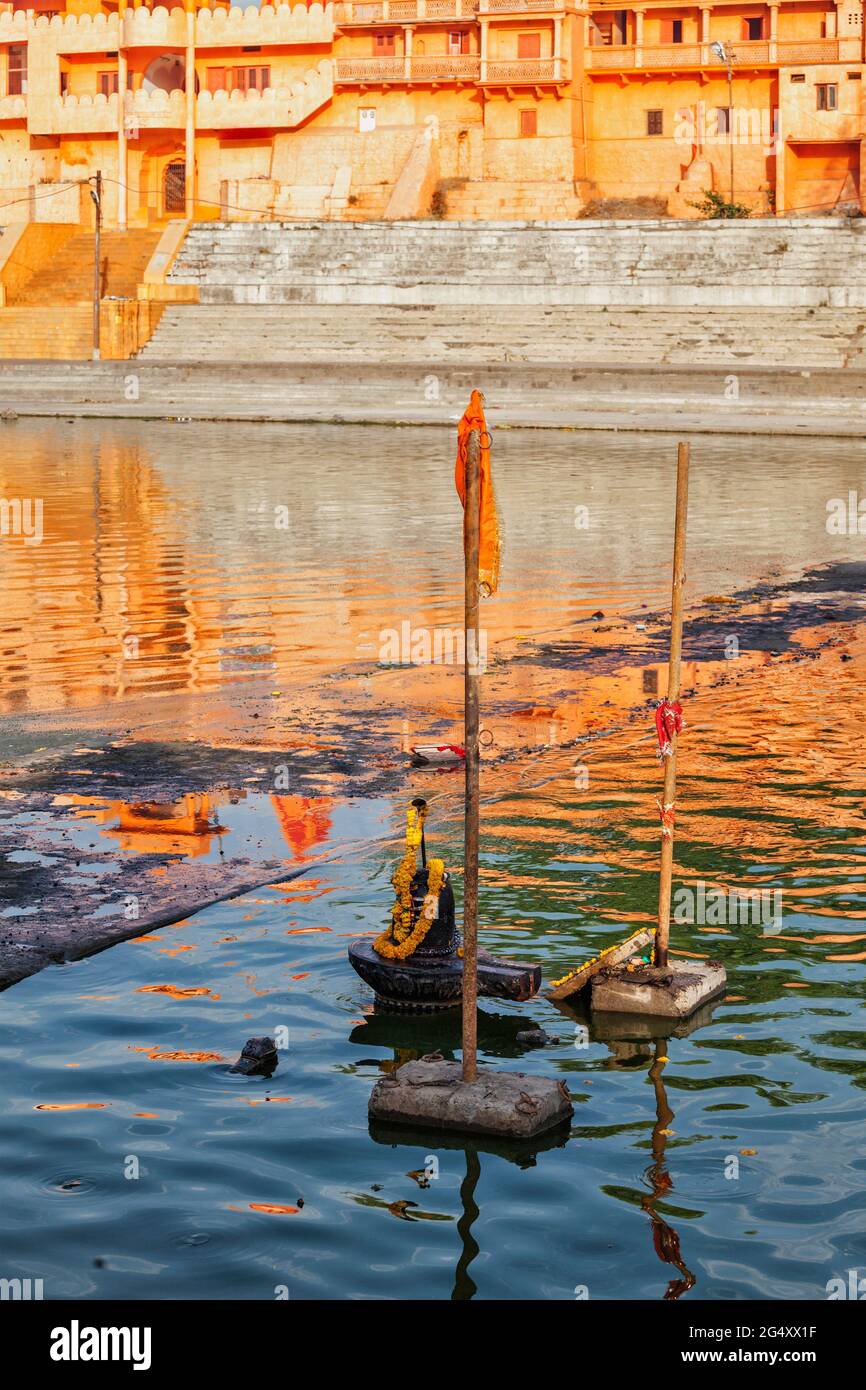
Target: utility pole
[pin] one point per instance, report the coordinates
(725, 54)
(730, 58)
(96, 195)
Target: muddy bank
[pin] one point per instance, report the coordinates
(65, 892)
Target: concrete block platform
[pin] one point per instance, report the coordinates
(433, 1094)
(674, 991)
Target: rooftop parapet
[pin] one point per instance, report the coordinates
(13, 26)
(281, 24)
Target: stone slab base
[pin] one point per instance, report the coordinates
(507, 1103)
(674, 992)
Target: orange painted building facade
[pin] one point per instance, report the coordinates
(466, 108)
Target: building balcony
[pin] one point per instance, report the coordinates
(807, 51)
(13, 108)
(497, 7)
(367, 12)
(671, 57)
(275, 107)
(427, 69)
(85, 114)
(523, 72)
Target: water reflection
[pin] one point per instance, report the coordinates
(174, 546)
(164, 568)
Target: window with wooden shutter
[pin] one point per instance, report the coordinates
(249, 79)
(529, 122)
(529, 45)
(17, 70)
(385, 45)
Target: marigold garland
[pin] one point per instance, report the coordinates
(401, 939)
(606, 952)
(393, 943)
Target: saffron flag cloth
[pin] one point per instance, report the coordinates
(489, 542)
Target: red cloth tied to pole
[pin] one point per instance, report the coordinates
(489, 542)
(669, 721)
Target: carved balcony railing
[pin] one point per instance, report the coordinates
(370, 69)
(672, 55)
(808, 50)
(519, 6)
(350, 12)
(518, 71)
(761, 52)
(462, 67)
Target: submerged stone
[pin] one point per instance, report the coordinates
(258, 1058)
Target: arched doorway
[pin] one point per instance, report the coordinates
(174, 186)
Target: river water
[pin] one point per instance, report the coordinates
(235, 587)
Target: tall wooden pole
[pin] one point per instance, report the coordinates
(673, 693)
(471, 537)
(96, 195)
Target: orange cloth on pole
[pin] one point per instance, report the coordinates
(489, 542)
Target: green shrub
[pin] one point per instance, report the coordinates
(717, 205)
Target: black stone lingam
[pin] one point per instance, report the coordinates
(432, 977)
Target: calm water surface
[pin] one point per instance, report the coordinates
(118, 1065)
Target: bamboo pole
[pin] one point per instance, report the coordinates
(673, 693)
(471, 539)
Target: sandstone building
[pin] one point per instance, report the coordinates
(365, 109)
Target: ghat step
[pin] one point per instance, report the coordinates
(761, 263)
(559, 335)
(68, 278)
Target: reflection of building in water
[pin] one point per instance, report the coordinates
(304, 820)
(187, 825)
(103, 607)
(184, 827)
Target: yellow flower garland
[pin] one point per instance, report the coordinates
(392, 943)
(606, 952)
(401, 939)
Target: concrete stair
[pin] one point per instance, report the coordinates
(39, 332)
(670, 399)
(436, 336)
(774, 263)
(69, 277)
